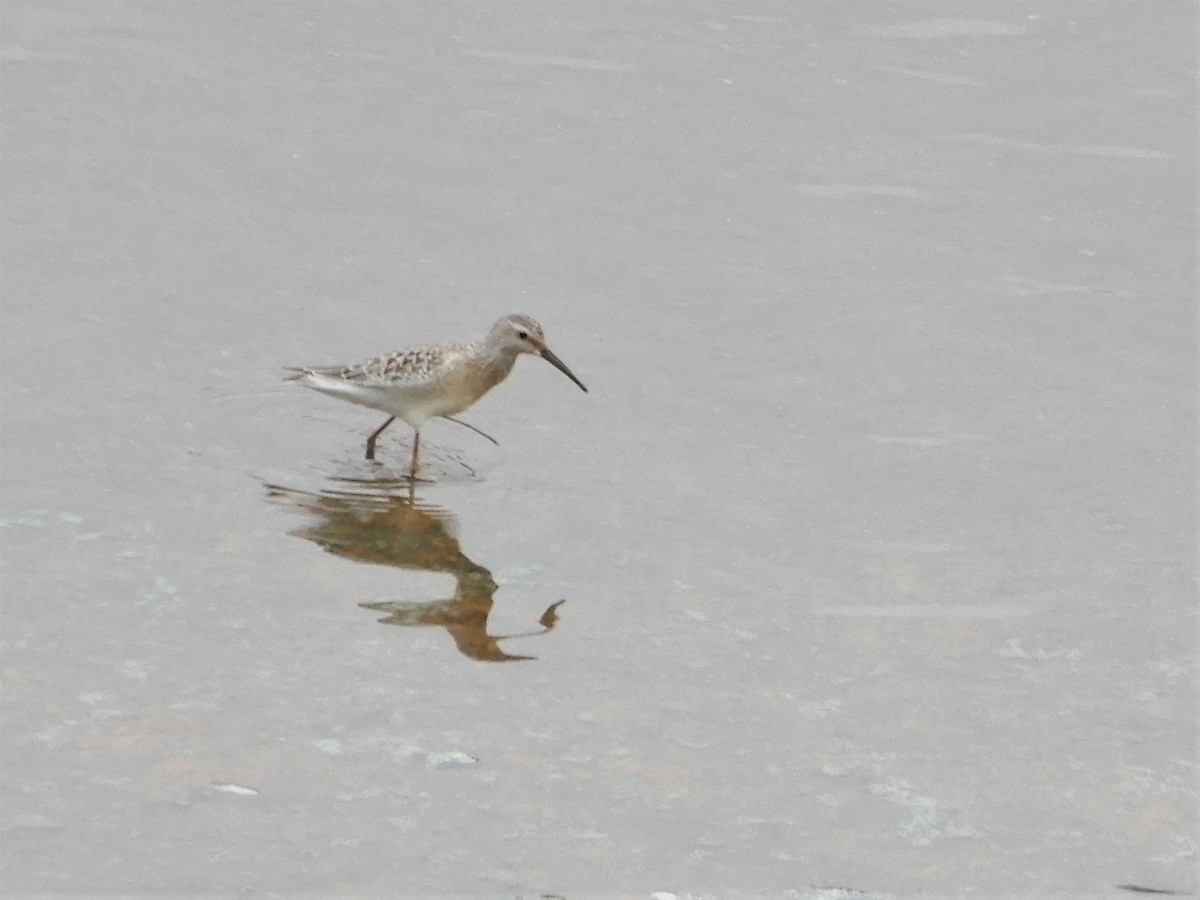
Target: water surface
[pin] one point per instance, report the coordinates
(866, 567)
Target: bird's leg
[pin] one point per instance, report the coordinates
(473, 428)
(375, 436)
(415, 467)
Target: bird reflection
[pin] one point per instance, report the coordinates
(372, 525)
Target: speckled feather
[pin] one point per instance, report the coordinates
(405, 366)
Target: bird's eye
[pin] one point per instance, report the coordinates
(523, 335)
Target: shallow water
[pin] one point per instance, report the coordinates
(866, 567)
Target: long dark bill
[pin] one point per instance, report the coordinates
(561, 366)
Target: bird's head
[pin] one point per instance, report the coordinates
(521, 334)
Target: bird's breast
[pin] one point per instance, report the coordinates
(463, 385)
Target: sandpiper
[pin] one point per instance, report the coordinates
(438, 380)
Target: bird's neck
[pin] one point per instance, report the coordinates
(498, 364)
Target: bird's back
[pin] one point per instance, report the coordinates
(410, 367)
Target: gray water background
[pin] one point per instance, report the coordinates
(876, 530)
